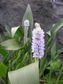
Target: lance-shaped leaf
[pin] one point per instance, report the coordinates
(56, 27)
(53, 32)
(28, 16)
(53, 50)
(25, 75)
(10, 44)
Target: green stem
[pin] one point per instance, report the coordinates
(50, 77)
(7, 77)
(25, 34)
(39, 63)
(36, 59)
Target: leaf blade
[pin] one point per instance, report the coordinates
(10, 44)
(25, 75)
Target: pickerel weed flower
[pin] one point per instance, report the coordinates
(26, 23)
(38, 41)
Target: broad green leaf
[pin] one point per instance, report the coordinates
(3, 70)
(10, 44)
(25, 75)
(3, 52)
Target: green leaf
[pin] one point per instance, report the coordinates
(56, 27)
(25, 75)
(48, 33)
(28, 16)
(43, 65)
(13, 30)
(59, 51)
(53, 31)
(3, 70)
(17, 32)
(3, 52)
(10, 44)
(53, 50)
(55, 64)
(8, 30)
(24, 61)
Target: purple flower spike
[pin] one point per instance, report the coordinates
(38, 41)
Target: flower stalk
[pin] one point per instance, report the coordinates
(26, 27)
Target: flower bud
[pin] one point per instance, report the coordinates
(26, 23)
